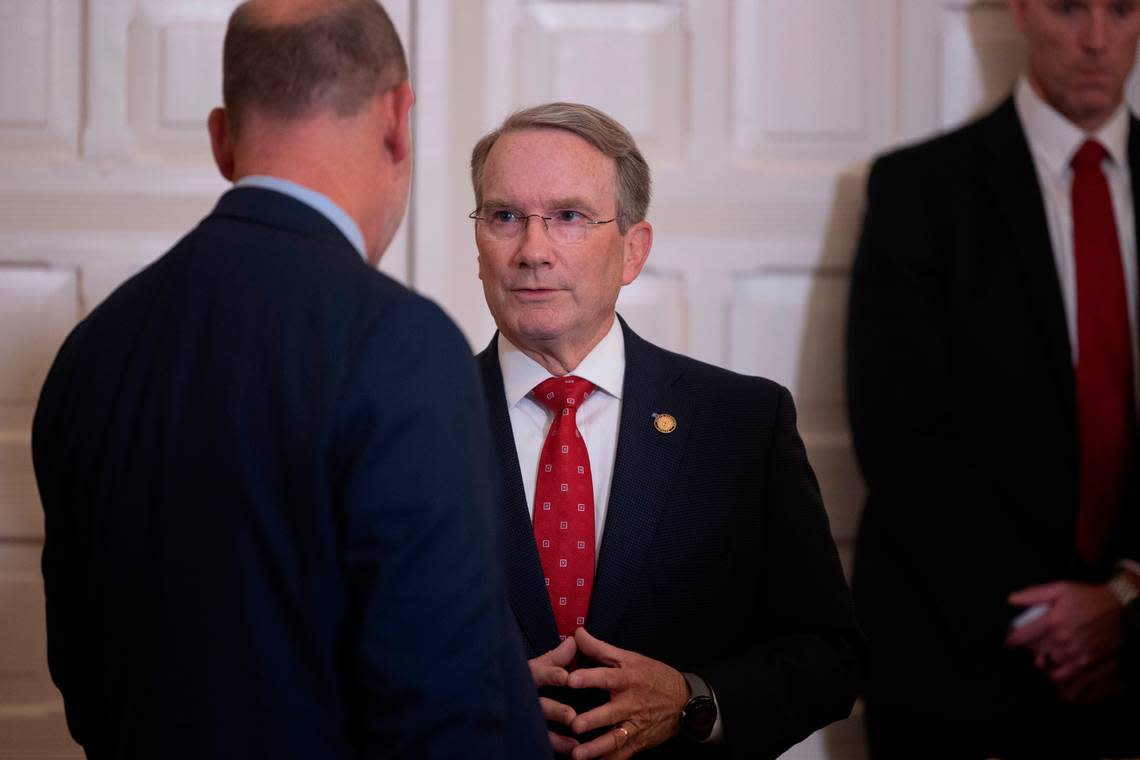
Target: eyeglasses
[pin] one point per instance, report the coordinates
(566, 226)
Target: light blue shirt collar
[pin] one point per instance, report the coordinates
(311, 198)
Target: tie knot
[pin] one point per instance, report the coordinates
(1089, 156)
(559, 393)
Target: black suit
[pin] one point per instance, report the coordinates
(962, 403)
(716, 557)
(267, 535)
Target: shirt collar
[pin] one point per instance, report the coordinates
(311, 198)
(604, 366)
(1056, 139)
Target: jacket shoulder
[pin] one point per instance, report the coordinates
(947, 152)
(716, 381)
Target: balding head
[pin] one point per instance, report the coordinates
(317, 93)
(287, 59)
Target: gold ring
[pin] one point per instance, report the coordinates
(623, 732)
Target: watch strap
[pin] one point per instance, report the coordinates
(697, 685)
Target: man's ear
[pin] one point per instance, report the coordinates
(221, 142)
(1017, 12)
(397, 106)
(637, 242)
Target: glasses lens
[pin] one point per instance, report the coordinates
(504, 228)
(567, 230)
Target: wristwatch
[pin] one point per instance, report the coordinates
(699, 714)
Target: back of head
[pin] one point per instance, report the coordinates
(595, 127)
(289, 58)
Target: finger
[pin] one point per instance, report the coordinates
(1031, 595)
(1067, 670)
(609, 714)
(563, 745)
(608, 743)
(563, 654)
(557, 712)
(548, 675)
(1097, 682)
(549, 668)
(596, 649)
(1030, 634)
(610, 679)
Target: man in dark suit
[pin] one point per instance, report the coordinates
(991, 384)
(270, 531)
(666, 542)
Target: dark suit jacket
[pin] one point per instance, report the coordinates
(716, 556)
(962, 403)
(268, 534)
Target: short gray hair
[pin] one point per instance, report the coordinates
(593, 126)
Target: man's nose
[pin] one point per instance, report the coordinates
(1094, 34)
(534, 242)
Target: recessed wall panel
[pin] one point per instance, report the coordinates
(981, 56)
(628, 59)
(810, 80)
(23, 651)
(813, 62)
(191, 64)
(174, 64)
(789, 326)
(654, 306)
(38, 307)
(39, 89)
(24, 58)
(20, 513)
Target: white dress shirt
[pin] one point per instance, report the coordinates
(1053, 141)
(598, 416)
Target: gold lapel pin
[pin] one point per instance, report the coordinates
(665, 423)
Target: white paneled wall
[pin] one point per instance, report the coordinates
(758, 117)
(39, 92)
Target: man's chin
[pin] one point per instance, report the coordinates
(1093, 107)
(537, 329)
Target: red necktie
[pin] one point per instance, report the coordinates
(1104, 354)
(564, 504)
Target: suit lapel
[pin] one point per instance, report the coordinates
(1014, 187)
(525, 586)
(644, 468)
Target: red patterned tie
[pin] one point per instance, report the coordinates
(1104, 354)
(564, 504)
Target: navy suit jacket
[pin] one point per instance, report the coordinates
(963, 409)
(269, 527)
(716, 556)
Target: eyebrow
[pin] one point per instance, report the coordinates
(576, 203)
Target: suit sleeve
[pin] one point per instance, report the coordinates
(804, 667)
(436, 669)
(65, 589)
(929, 500)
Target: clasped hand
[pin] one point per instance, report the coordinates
(1076, 641)
(644, 708)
